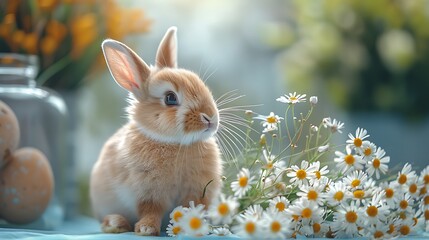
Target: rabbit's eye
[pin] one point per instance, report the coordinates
(171, 99)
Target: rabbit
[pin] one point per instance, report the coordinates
(167, 154)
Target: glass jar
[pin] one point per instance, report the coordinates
(42, 117)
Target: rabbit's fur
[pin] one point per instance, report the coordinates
(166, 154)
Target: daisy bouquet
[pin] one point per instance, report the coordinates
(290, 181)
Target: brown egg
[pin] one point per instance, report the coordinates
(26, 186)
(9, 131)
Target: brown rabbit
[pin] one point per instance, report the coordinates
(166, 154)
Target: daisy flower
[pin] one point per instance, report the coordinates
(424, 176)
(361, 195)
(323, 148)
(221, 231)
(405, 202)
(305, 210)
(377, 231)
(247, 227)
(355, 179)
(173, 229)
(356, 142)
(406, 175)
(292, 98)
(376, 210)
(333, 125)
(337, 194)
(414, 187)
(243, 183)
(279, 203)
(368, 150)
(301, 175)
(348, 219)
(222, 209)
(177, 214)
(275, 224)
(406, 227)
(347, 162)
(378, 163)
(254, 211)
(271, 163)
(269, 122)
(319, 173)
(193, 223)
(391, 193)
(312, 193)
(314, 229)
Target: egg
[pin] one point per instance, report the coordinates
(9, 131)
(26, 186)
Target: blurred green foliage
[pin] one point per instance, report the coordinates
(367, 55)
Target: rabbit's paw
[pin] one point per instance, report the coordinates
(115, 223)
(145, 229)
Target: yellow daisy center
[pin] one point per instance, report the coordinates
(318, 174)
(339, 196)
(367, 151)
(413, 188)
(391, 229)
(355, 183)
(376, 163)
(312, 195)
(250, 227)
(423, 191)
(426, 200)
(427, 215)
(372, 211)
(351, 217)
(403, 204)
(402, 215)
(223, 209)
(349, 159)
(404, 230)
(195, 223)
(415, 221)
(378, 234)
(426, 179)
(176, 230)
(389, 193)
(242, 182)
(295, 218)
(301, 174)
(280, 206)
(280, 186)
(306, 213)
(357, 142)
(402, 179)
(293, 99)
(177, 215)
(316, 227)
(275, 226)
(271, 119)
(359, 194)
(269, 165)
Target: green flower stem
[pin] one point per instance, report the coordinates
(54, 69)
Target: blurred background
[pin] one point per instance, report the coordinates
(368, 61)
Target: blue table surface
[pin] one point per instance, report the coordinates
(85, 228)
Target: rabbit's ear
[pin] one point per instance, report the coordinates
(126, 67)
(166, 55)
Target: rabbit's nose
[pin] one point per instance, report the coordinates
(210, 122)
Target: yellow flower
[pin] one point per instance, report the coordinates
(47, 5)
(84, 32)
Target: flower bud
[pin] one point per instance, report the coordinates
(313, 100)
(263, 140)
